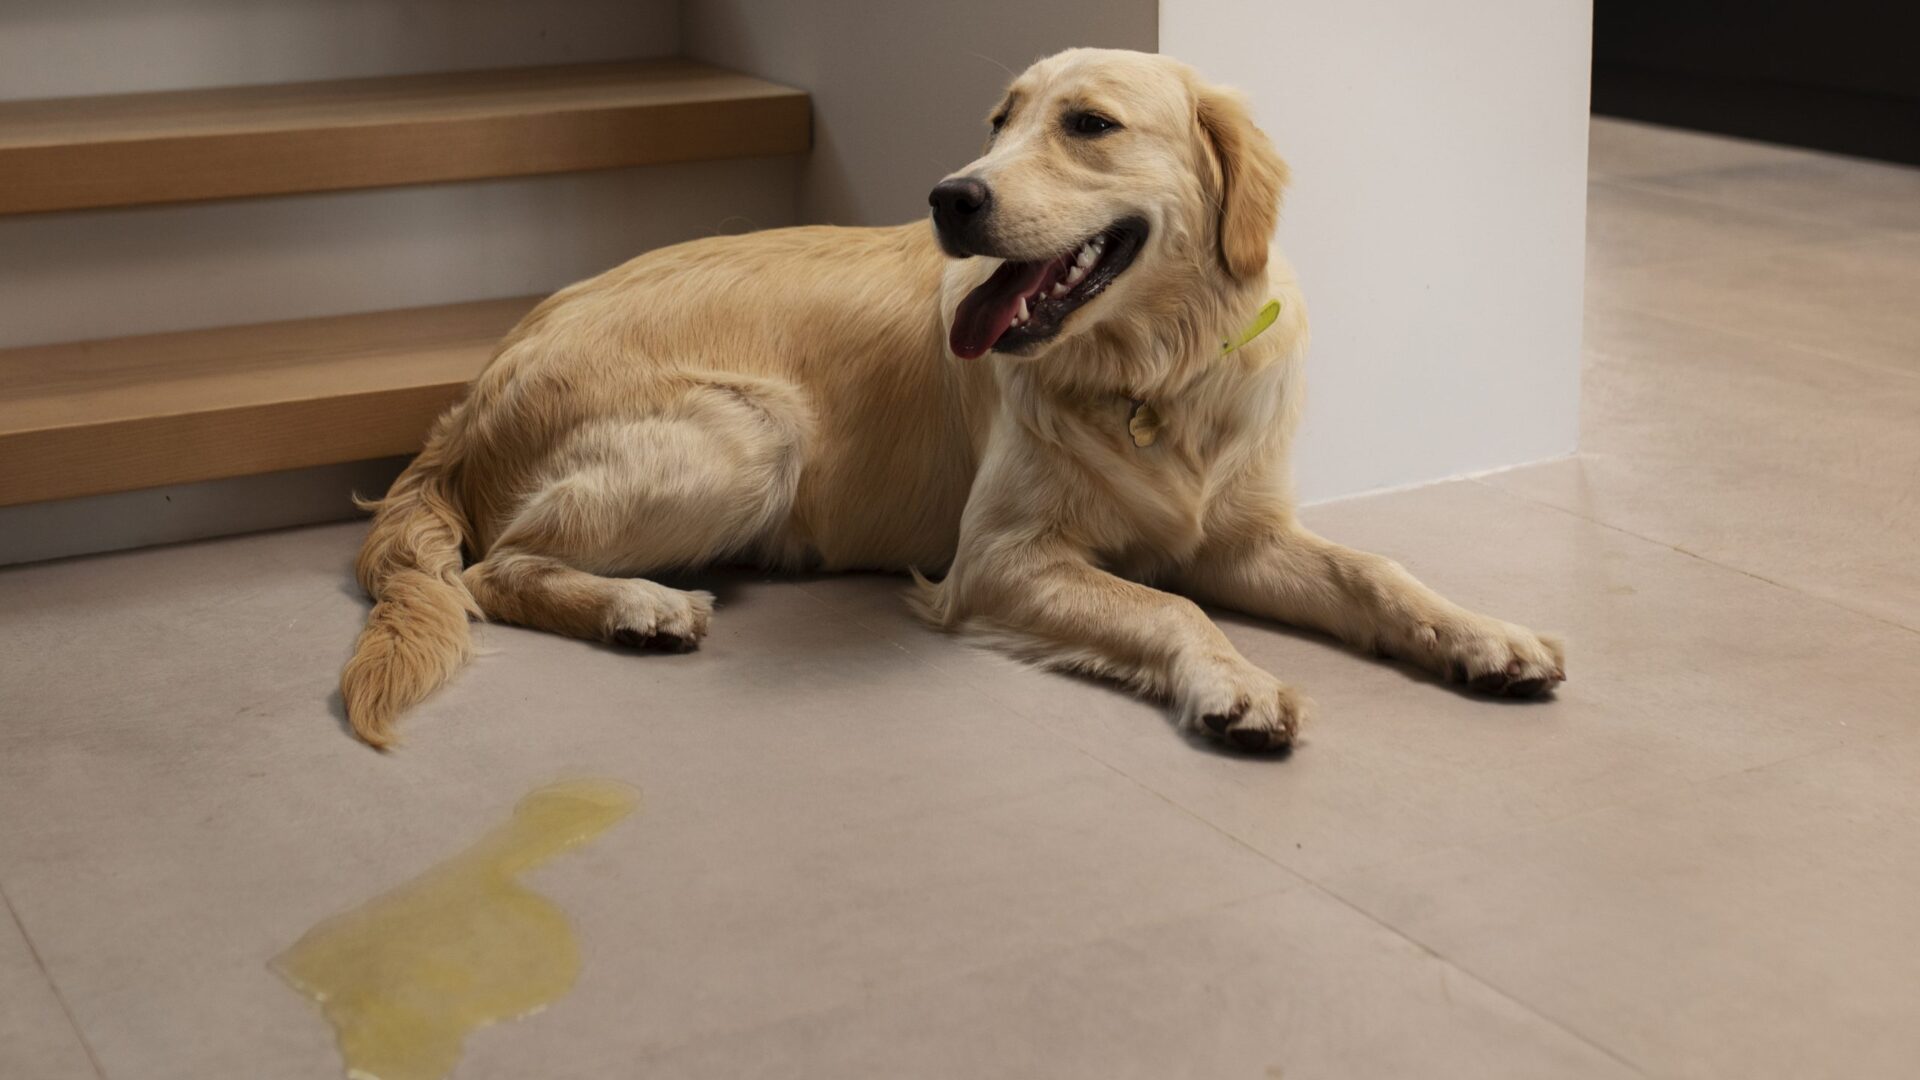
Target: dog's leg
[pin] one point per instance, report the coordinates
(545, 593)
(1056, 609)
(1283, 572)
(705, 475)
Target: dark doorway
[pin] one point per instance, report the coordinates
(1839, 75)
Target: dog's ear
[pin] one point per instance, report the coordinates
(1250, 179)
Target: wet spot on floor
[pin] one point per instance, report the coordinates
(405, 977)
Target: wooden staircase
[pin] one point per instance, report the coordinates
(92, 417)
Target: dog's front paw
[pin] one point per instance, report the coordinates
(1488, 656)
(1244, 707)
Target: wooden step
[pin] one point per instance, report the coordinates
(125, 149)
(90, 417)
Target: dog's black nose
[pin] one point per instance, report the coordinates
(959, 199)
(960, 214)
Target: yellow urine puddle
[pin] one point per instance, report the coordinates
(404, 977)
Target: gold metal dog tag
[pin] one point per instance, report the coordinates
(1143, 424)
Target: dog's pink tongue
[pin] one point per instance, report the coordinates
(988, 310)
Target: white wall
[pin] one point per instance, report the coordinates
(900, 88)
(61, 48)
(1436, 219)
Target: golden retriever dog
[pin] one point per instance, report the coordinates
(1059, 398)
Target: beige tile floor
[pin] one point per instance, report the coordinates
(866, 850)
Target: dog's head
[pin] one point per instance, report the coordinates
(1110, 178)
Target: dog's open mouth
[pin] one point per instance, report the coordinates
(1025, 303)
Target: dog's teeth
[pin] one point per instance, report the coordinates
(1059, 289)
(1086, 256)
(1022, 317)
(1074, 275)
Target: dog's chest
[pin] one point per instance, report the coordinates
(1160, 465)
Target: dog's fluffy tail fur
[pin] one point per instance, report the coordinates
(417, 634)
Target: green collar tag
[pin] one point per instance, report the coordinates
(1144, 423)
(1268, 312)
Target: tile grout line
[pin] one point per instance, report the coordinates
(1683, 786)
(1795, 590)
(1652, 185)
(1082, 751)
(52, 986)
(1591, 811)
(1302, 879)
(1751, 152)
(910, 985)
(1843, 235)
(1757, 251)
(1051, 734)
(1313, 883)
(1549, 1018)
(1862, 366)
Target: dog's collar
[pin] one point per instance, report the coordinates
(1143, 421)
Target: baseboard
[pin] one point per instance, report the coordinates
(169, 515)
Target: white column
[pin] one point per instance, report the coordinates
(1436, 219)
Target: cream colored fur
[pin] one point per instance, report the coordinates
(787, 399)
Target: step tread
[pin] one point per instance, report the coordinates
(84, 418)
(125, 149)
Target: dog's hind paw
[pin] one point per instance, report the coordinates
(654, 618)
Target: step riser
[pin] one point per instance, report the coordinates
(127, 455)
(99, 417)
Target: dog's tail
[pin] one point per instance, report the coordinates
(417, 634)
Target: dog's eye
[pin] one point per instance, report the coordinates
(999, 122)
(1087, 123)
